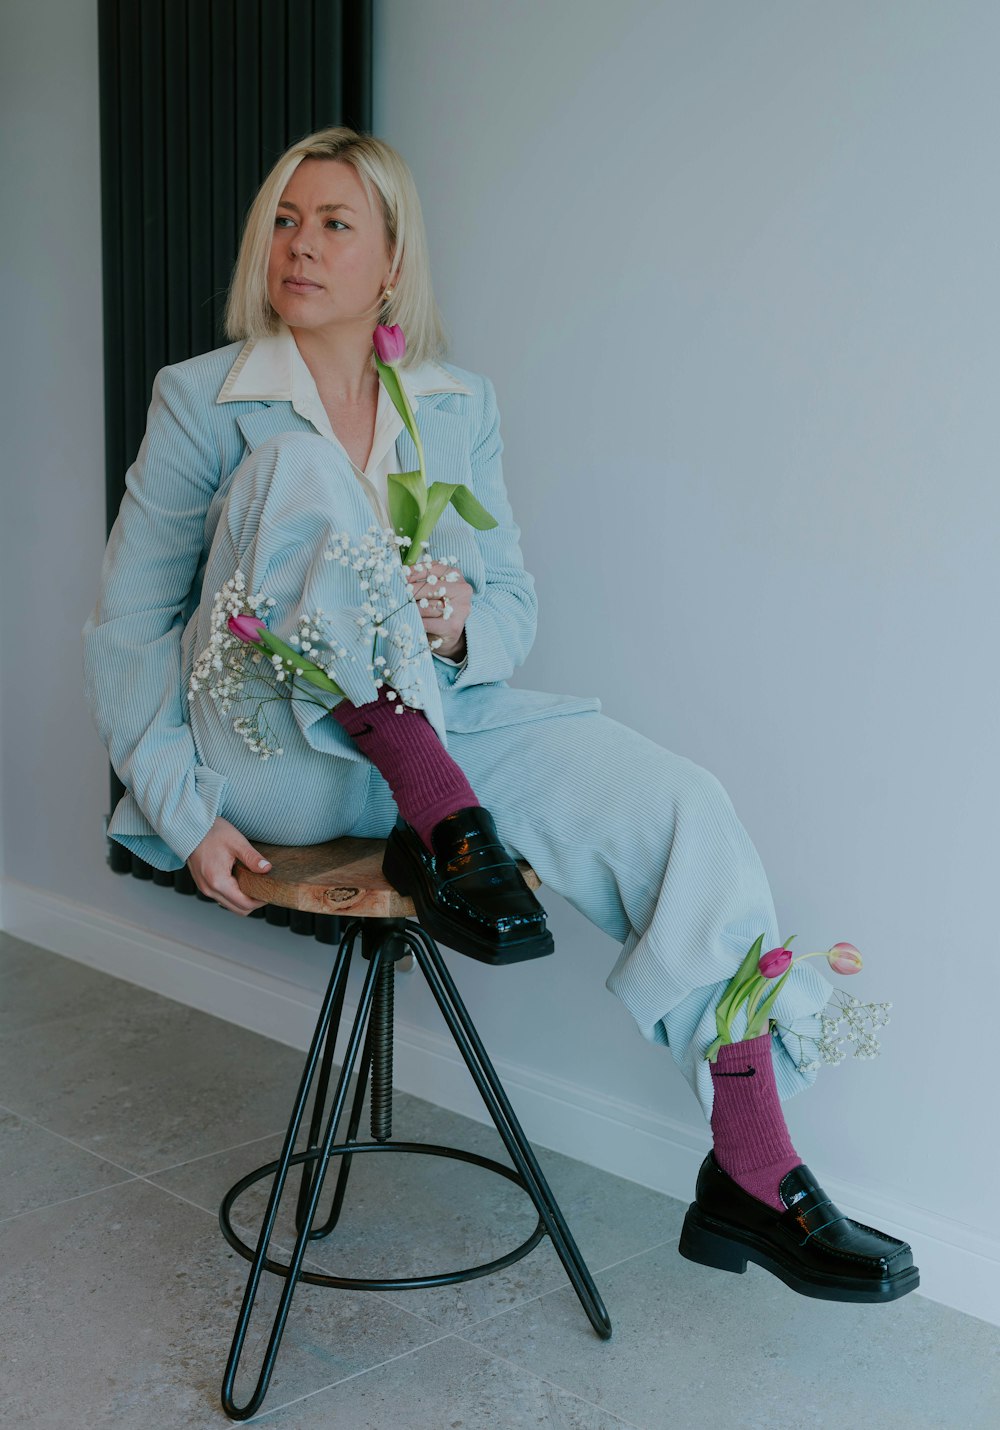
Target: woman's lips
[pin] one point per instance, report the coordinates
(301, 285)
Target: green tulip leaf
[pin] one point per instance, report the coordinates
(414, 484)
(471, 509)
(403, 510)
(764, 1011)
(737, 988)
(393, 386)
(310, 671)
(757, 994)
(438, 497)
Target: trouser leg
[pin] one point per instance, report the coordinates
(647, 845)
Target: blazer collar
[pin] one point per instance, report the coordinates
(272, 370)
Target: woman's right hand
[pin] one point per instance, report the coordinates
(212, 862)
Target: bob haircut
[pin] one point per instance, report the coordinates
(383, 172)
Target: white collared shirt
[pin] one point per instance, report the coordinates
(271, 369)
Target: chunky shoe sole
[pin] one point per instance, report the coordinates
(729, 1248)
(398, 869)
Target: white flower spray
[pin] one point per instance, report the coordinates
(236, 657)
(861, 1022)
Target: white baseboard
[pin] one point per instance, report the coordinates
(959, 1263)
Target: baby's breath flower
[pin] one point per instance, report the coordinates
(859, 1022)
(223, 668)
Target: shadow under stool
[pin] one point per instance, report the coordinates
(344, 878)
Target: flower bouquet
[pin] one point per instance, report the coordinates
(757, 983)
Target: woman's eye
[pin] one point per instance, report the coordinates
(283, 218)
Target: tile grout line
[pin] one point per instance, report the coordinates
(564, 1285)
(308, 1262)
(51, 1132)
(525, 1370)
(212, 1211)
(217, 1152)
(412, 1315)
(66, 1201)
(355, 1375)
(155, 1171)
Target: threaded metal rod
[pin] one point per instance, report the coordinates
(381, 1046)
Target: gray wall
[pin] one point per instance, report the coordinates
(732, 270)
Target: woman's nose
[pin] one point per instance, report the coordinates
(302, 244)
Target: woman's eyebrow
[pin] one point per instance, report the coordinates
(321, 209)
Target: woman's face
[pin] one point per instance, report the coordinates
(325, 233)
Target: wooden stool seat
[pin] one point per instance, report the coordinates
(342, 876)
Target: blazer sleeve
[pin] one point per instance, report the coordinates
(132, 638)
(501, 626)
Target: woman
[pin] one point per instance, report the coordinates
(260, 457)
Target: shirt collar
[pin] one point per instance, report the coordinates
(271, 369)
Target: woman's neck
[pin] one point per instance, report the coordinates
(343, 369)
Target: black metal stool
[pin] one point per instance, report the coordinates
(345, 877)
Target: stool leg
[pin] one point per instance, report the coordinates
(319, 1103)
(243, 1412)
(376, 1063)
(491, 1090)
(337, 1204)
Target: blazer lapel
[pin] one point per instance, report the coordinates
(443, 434)
(268, 420)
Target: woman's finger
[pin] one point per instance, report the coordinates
(229, 895)
(252, 858)
(214, 892)
(225, 889)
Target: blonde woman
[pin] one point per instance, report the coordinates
(263, 455)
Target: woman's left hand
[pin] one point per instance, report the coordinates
(458, 593)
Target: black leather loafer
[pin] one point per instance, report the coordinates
(469, 895)
(811, 1246)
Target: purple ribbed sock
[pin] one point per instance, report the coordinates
(426, 782)
(751, 1140)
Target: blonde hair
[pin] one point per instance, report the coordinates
(382, 171)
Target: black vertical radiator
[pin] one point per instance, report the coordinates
(198, 99)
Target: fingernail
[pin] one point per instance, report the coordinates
(263, 864)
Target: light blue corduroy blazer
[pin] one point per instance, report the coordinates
(150, 588)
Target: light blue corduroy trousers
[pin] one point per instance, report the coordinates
(643, 842)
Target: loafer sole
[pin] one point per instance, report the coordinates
(397, 866)
(728, 1248)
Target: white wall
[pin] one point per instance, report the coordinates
(732, 270)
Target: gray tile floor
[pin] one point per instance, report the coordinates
(124, 1116)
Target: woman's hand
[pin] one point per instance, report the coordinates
(211, 864)
(459, 594)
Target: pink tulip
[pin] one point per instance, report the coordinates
(774, 963)
(844, 958)
(390, 344)
(246, 627)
